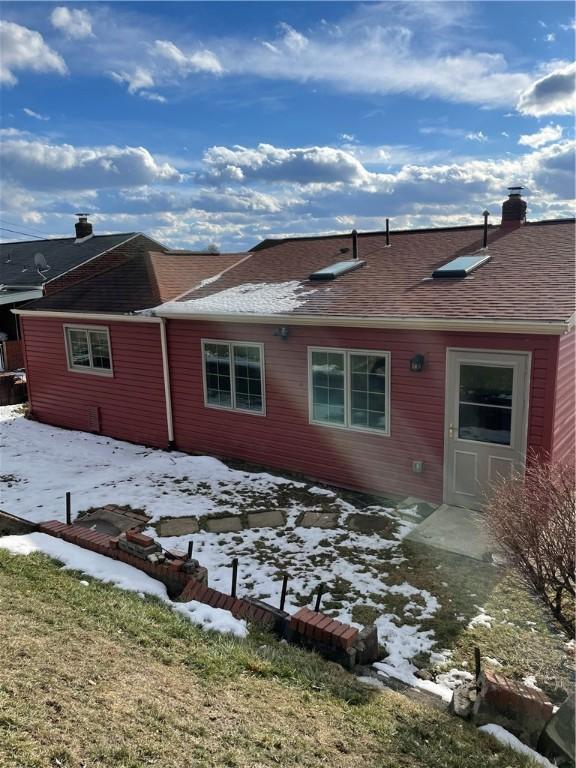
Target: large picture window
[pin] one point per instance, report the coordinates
(350, 389)
(88, 349)
(233, 376)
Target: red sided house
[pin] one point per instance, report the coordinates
(34, 268)
(422, 363)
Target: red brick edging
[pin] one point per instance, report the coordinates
(311, 628)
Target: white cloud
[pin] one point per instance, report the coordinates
(24, 50)
(199, 61)
(152, 96)
(552, 94)
(550, 37)
(136, 80)
(74, 23)
(375, 56)
(477, 136)
(302, 165)
(35, 164)
(35, 115)
(545, 135)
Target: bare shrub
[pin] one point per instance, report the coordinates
(531, 517)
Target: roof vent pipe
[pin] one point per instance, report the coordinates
(354, 244)
(485, 237)
(387, 233)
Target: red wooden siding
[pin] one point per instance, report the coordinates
(284, 439)
(564, 436)
(130, 405)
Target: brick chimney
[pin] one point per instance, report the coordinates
(83, 227)
(514, 209)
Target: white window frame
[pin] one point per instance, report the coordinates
(109, 372)
(231, 343)
(348, 426)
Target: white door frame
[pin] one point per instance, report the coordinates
(448, 405)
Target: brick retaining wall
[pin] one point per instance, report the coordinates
(312, 629)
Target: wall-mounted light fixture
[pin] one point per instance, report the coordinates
(417, 363)
(283, 332)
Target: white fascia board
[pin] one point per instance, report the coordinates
(400, 323)
(107, 316)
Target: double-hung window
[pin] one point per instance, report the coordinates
(350, 389)
(234, 375)
(88, 349)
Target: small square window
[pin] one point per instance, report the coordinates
(233, 376)
(88, 350)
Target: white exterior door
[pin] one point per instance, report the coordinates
(486, 422)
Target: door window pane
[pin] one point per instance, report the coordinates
(485, 407)
(328, 387)
(485, 423)
(489, 385)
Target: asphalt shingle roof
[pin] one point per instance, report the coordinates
(17, 265)
(144, 281)
(530, 276)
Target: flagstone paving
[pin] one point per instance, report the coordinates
(177, 526)
(319, 520)
(224, 524)
(271, 519)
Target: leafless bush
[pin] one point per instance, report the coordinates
(531, 516)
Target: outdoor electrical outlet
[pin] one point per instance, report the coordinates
(418, 467)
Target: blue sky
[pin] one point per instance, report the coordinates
(230, 122)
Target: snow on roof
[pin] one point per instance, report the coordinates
(251, 298)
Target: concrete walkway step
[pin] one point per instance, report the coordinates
(457, 530)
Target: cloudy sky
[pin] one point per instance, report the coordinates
(226, 123)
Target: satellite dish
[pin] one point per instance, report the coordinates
(40, 262)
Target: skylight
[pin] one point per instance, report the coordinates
(461, 266)
(335, 270)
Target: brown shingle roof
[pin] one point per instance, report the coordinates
(530, 275)
(142, 282)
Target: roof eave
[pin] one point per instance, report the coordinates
(496, 325)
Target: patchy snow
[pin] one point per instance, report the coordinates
(481, 620)
(252, 298)
(121, 575)
(40, 463)
(530, 682)
(509, 740)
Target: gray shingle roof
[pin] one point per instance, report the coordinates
(17, 265)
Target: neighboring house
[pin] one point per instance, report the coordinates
(422, 363)
(31, 269)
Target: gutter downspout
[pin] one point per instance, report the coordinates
(167, 390)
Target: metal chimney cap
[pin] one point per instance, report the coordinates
(515, 190)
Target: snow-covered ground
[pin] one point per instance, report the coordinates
(39, 463)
